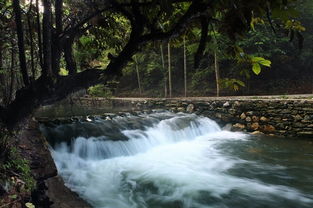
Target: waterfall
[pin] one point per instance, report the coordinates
(165, 160)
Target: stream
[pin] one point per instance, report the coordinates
(177, 160)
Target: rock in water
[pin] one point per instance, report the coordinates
(243, 116)
(225, 105)
(190, 108)
(227, 127)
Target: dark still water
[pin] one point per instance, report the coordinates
(166, 160)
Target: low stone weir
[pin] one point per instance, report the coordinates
(286, 117)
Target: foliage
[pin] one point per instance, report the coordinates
(233, 84)
(257, 62)
(13, 164)
(100, 90)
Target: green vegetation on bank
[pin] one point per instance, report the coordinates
(16, 181)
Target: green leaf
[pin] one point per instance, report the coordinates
(256, 68)
(29, 205)
(236, 88)
(261, 60)
(266, 63)
(257, 59)
(240, 83)
(14, 196)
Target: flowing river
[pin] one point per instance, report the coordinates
(167, 160)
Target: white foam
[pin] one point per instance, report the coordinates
(166, 162)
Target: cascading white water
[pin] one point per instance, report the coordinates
(178, 160)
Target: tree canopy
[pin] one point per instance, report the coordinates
(55, 39)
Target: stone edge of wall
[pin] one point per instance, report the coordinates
(285, 117)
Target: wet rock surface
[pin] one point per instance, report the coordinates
(62, 197)
(50, 190)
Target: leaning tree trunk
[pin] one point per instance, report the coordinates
(163, 69)
(138, 76)
(169, 68)
(20, 40)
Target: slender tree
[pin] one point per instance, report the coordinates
(39, 34)
(217, 73)
(12, 76)
(31, 41)
(138, 76)
(185, 66)
(163, 69)
(169, 68)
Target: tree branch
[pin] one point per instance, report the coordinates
(195, 10)
(30, 98)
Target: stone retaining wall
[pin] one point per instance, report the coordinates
(278, 117)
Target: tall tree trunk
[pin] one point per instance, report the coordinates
(31, 43)
(12, 77)
(169, 68)
(1, 65)
(39, 35)
(68, 55)
(56, 46)
(20, 40)
(138, 77)
(185, 67)
(163, 70)
(217, 73)
(58, 15)
(2, 75)
(47, 40)
(216, 64)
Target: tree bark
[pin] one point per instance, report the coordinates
(203, 41)
(47, 40)
(169, 68)
(56, 46)
(20, 40)
(69, 56)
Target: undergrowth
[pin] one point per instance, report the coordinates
(15, 172)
